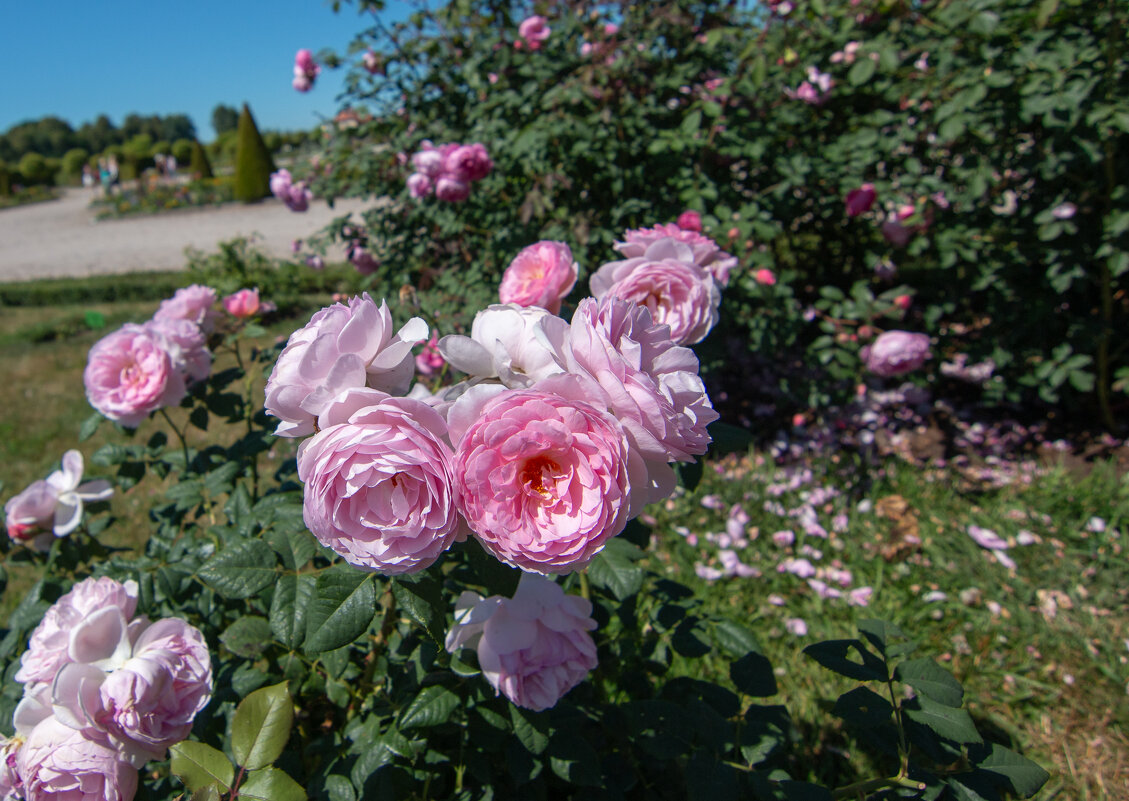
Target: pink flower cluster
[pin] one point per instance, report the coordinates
(533, 31)
(448, 171)
(815, 90)
(139, 369)
(296, 196)
(104, 692)
(896, 352)
(53, 508)
(306, 70)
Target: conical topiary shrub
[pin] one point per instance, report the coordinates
(199, 166)
(253, 164)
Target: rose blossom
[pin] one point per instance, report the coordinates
(430, 361)
(11, 785)
(503, 344)
(242, 304)
(534, 30)
(190, 303)
(186, 345)
(129, 375)
(468, 163)
(860, 200)
(146, 702)
(765, 276)
(379, 482)
(690, 221)
(361, 259)
(419, 185)
(896, 352)
(58, 762)
(533, 648)
(541, 275)
(543, 480)
(53, 508)
(48, 647)
(451, 190)
(341, 347)
(707, 254)
(372, 63)
(628, 365)
(428, 160)
(666, 280)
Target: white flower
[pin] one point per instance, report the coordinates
(70, 493)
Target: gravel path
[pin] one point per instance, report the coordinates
(61, 238)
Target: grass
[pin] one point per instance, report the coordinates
(1041, 649)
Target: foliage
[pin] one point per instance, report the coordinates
(253, 164)
(224, 119)
(1004, 124)
(51, 136)
(199, 166)
(35, 170)
(165, 197)
(181, 150)
(73, 162)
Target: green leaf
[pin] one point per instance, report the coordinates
(944, 721)
(1024, 776)
(931, 680)
(338, 788)
(861, 71)
(1047, 8)
(271, 784)
(292, 596)
(531, 729)
(574, 760)
(210, 793)
(421, 599)
(734, 638)
(431, 707)
(835, 655)
(242, 570)
(261, 727)
(614, 569)
(200, 765)
(94, 319)
(89, 426)
(247, 637)
(199, 417)
(341, 610)
(752, 674)
(863, 707)
(888, 638)
(296, 547)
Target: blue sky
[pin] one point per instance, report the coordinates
(75, 59)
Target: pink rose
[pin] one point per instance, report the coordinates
(372, 63)
(765, 276)
(896, 352)
(299, 197)
(419, 185)
(541, 275)
(451, 190)
(301, 83)
(360, 258)
(242, 304)
(11, 785)
(503, 344)
(690, 221)
(676, 291)
(895, 233)
(304, 60)
(129, 375)
(315, 262)
(534, 30)
(186, 346)
(543, 480)
(629, 366)
(53, 508)
(468, 163)
(280, 183)
(533, 648)
(430, 361)
(903, 302)
(148, 701)
(48, 648)
(341, 347)
(58, 763)
(707, 254)
(190, 303)
(860, 200)
(379, 482)
(428, 160)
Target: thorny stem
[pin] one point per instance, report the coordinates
(249, 415)
(863, 789)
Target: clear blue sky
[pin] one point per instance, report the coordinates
(75, 59)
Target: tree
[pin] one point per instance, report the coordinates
(198, 165)
(73, 161)
(224, 118)
(35, 169)
(253, 164)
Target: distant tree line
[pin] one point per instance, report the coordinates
(52, 137)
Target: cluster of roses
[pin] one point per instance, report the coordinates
(560, 434)
(448, 170)
(140, 369)
(306, 70)
(296, 196)
(815, 90)
(104, 692)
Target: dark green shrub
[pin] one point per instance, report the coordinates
(198, 164)
(73, 162)
(253, 164)
(35, 170)
(182, 151)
